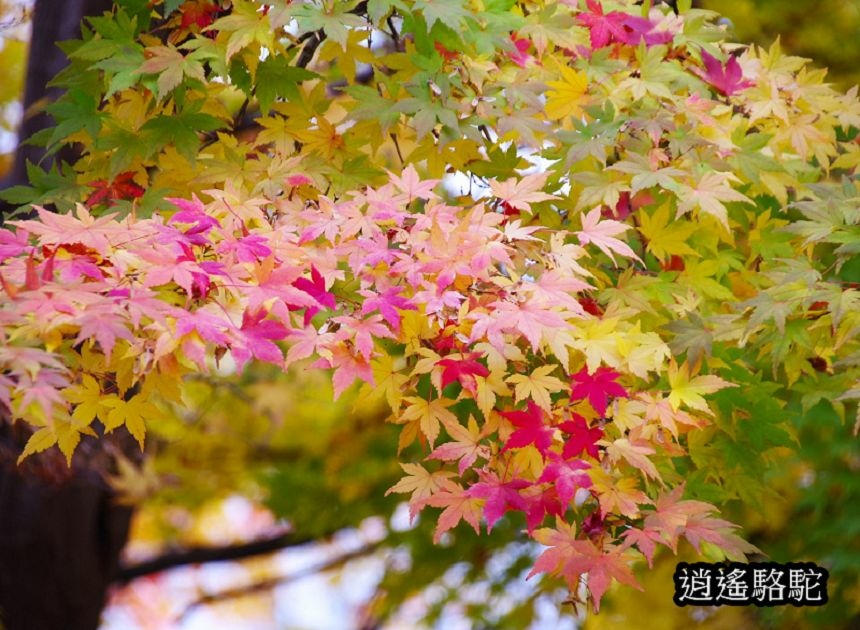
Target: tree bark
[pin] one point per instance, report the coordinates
(61, 534)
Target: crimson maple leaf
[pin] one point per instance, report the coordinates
(597, 387)
(314, 287)
(542, 504)
(726, 80)
(582, 437)
(531, 429)
(463, 370)
(617, 26)
(501, 496)
(123, 186)
(567, 475)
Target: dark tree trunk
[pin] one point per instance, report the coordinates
(53, 21)
(61, 533)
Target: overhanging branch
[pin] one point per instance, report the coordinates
(201, 555)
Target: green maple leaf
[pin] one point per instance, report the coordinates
(277, 78)
(179, 130)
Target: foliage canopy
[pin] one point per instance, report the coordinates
(598, 262)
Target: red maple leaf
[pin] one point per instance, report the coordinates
(597, 387)
(200, 13)
(582, 437)
(123, 186)
(463, 370)
(531, 429)
(726, 79)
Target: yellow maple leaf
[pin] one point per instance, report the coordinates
(538, 385)
(566, 96)
(132, 413)
(429, 414)
(420, 482)
(665, 239)
(689, 391)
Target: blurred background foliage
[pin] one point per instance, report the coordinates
(826, 31)
(278, 440)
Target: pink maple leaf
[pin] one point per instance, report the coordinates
(347, 366)
(726, 79)
(582, 437)
(501, 496)
(463, 370)
(315, 287)
(256, 339)
(104, 323)
(521, 55)
(531, 429)
(567, 475)
(249, 248)
(543, 503)
(14, 244)
(362, 332)
(387, 304)
(597, 387)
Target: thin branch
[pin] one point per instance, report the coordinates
(199, 555)
(270, 583)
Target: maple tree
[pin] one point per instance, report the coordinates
(589, 254)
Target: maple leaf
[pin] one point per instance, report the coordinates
(602, 234)
(315, 287)
(58, 229)
(347, 367)
(709, 194)
(597, 387)
(387, 303)
(132, 413)
(582, 437)
(88, 400)
(362, 332)
(531, 429)
(458, 506)
(727, 79)
(501, 496)
(105, 324)
(429, 414)
(421, 483)
(621, 496)
(571, 558)
(617, 26)
(537, 386)
(634, 453)
(689, 391)
(462, 370)
(121, 187)
(521, 194)
(567, 475)
(255, 338)
(467, 447)
(566, 96)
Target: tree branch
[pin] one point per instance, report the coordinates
(270, 583)
(200, 555)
